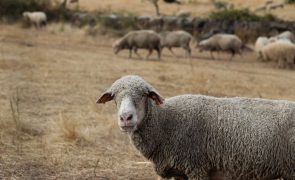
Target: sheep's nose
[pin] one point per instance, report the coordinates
(126, 117)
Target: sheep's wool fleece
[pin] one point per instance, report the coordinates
(246, 138)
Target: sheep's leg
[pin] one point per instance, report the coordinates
(44, 24)
(232, 55)
(135, 51)
(188, 52)
(148, 55)
(130, 53)
(158, 49)
(170, 49)
(36, 25)
(211, 53)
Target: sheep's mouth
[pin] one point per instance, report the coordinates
(126, 128)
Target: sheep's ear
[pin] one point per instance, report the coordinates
(155, 97)
(107, 96)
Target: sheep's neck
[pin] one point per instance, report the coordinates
(145, 138)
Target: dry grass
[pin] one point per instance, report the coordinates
(196, 7)
(50, 126)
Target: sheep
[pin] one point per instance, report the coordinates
(143, 21)
(281, 52)
(286, 35)
(222, 42)
(196, 136)
(268, 2)
(170, 23)
(183, 13)
(176, 39)
(260, 8)
(156, 23)
(145, 39)
(275, 6)
(260, 43)
(37, 18)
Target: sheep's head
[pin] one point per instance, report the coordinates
(26, 15)
(117, 46)
(132, 95)
(202, 45)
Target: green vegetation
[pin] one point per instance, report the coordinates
(290, 1)
(12, 10)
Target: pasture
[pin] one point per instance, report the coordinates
(50, 125)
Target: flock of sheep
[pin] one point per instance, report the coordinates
(280, 48)
(151, 40)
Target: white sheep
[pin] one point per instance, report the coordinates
(260, 8)
(141, 39)
(183, 13)
(203, 137)
(286, 35)
(37, 18)
(260, 43)
(281, 52)
(222, 42)
(170, 39)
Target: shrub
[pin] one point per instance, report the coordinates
(13, 9)
(239, 15)
(118, 21)
(290, 1)
(220, 4)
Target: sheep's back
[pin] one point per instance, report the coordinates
(143, 39)
(223, 129)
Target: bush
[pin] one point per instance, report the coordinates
(220, 5)
(118, 21)
(239, 15)
(290, 1)
(13, 9)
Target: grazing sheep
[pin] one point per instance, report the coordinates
(183, 13)
(143, 22)
(260, 8)
(222, 42)
(170, 23)
(38, 19)
(145, 39)
(287, 35)
(281, 52)
(196, 136)
(268, 2)
(156, 23)
(275, 6)
(80, 18)
(260, 43)
(176, 39)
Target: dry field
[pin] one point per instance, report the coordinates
(50, 126)
(196, 7)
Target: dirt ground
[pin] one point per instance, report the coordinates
(50, 126)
